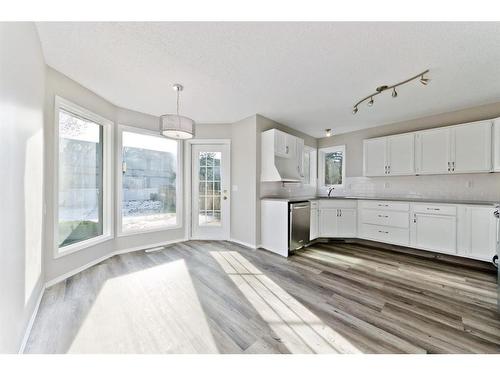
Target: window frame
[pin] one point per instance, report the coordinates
(313, 165)
(107, 176)
(321, 165)
(119, 183)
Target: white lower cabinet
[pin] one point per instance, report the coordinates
(434, 232)
(314, 226)
(337, 218)
(477, 232)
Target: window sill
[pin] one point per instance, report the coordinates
(134, 233)
(60, 252)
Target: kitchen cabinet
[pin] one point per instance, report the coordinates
(477, 232)
(389, 156)
(314, 226)
(337, 218)
(374, 157)
(496, 145)
(282, 157)
(284, 144)
(432, 151)
(434, 228)
(464, 148)
(471, 147)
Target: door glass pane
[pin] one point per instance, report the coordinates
(333, 168)
(80, 208)
(149, 182)
(210, 189)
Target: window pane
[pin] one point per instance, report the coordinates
(209, 211)
(148, 182)
(333, 168)
(80, 179)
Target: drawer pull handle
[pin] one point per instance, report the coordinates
(383, 205)
(383, 216)
(433, 209)
(382, 231)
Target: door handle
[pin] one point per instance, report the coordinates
(495, 260)
(224, 198)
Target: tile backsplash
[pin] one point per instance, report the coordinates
(478, 186)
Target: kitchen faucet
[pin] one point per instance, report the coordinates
(330, 190)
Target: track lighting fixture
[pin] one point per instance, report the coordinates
(328, 132)
(369, 99)
(424, 81)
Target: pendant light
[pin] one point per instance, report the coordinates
(176, 126)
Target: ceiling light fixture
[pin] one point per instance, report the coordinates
(176, 126)
(381, 89)
(328, 132)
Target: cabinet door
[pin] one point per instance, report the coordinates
(401, 154)
(435, 233)
(471, 147)
(374, 157)
(300, 155)
(482, 232)
(432, 151)
(328, 222)
(496, 145)
(313, 229)
(280, 146)
(346, 222)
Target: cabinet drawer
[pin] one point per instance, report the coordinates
(386, 218)
(435, 209)
(385, 205)
(382, 233)
(338, 203)
(314, 204)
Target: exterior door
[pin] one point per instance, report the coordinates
(210, 181)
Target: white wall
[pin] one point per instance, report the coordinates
(60, 85)
(22, 80)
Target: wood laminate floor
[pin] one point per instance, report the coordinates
(219, 297)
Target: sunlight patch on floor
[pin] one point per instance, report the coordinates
(155, 310)
(297, 327)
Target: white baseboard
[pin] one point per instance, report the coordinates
(27, 332)
(243, 243)
(107, 256)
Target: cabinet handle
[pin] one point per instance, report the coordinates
(382, 231)
(414, 218)
(383, 205)
(453, 166)
(383, 216)
(340, 212)
(286, 149)
(433, 209)
(388, 169)
(449, 166)
(385, 169)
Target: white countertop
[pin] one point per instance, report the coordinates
(403, 199)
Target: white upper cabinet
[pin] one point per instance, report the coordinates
(374, 157)
(471, 147)
(496, 145)
(284, 144)
(432, 151)
(389, 156)
(282, 156)
(401, 154)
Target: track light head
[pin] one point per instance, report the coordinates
(355, 110)
(328, 132)
(424, 81)
(370, 103)
(394, 93)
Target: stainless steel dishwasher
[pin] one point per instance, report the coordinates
(298, 224)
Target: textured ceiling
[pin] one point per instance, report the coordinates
(305, 75)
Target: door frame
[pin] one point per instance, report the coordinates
(188, 152)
